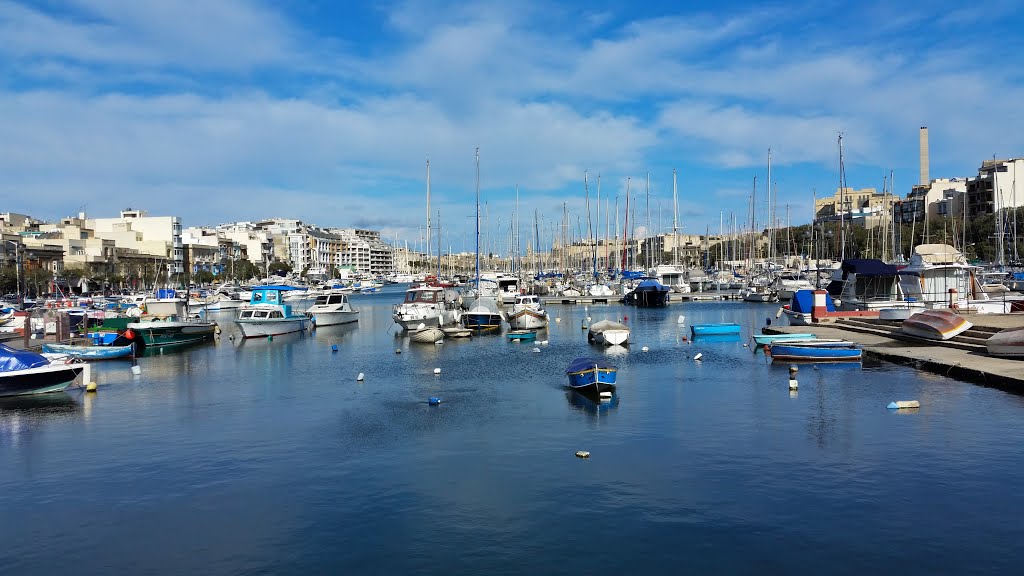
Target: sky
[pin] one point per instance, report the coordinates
(233, 110)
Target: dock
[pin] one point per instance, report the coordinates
(963, 357)
(673, 298)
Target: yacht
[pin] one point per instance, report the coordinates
(332, 308)
(672, 275)
(267, 314)
(869, 284)
(427, 307)
(940, 277)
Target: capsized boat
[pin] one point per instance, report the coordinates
(608, 332)
(1008, 343)
(268, 315)
(591, 375)
(332, 308)
(832, 351)
(25, 372)
(91, 352)
(938, 324)
(714, 329)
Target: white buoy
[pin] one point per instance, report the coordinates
(903, 404)
(588, 318)
(698, 356)
(778, 312)
(582, 454)
(557, 320)
(359, 378)
(437, 371)
(793, 384)
(745, 345)
(681, 319)
(536, 350)
(606, 394)
(136, 369)
(645, 349)
(543, 342)
(398, 350)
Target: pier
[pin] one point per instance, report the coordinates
(673, 298)
(963, 357)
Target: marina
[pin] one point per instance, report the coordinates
(686, 454)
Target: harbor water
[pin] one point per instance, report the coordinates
(269, 457)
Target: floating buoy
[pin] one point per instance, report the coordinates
(433, 400)
(625, 318)
(398, 350)
(645, 349)
(583, 325)
(588, 318)
(904, 404)
(681, 319)
(792, 371)
(606, 394)
(270, 338)
(360, 377)
(216, 329)
(90, 387)
(698, 356)
(745, 345)
(334, 347)
(557, 320)
(543, 342)
(437, 371)
(536, 350)
(582, 454)
(792, 384)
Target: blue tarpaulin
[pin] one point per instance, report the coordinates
(868, 267)
(587, 363)
(11, 359)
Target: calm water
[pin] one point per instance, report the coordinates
(262, 457)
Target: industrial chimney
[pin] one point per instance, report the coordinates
(924, 156)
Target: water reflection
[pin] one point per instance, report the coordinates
(713, 338)
(22, 416)
(591, 403)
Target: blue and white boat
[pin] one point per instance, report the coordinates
(522, 335)
(591, 375)
(25, 372)
(762, 339)
(649, 293)
(831, 351)
(482, 315)
(91, 352)
(267, 314)
(714, 329)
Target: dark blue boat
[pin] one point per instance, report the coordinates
(591, 375)
(649, 293)
(815, 351)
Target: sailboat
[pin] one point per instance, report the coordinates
(483, 313)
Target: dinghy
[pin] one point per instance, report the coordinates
(935, 324)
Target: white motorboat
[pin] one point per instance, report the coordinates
(526, 313)
(939, 276)
(431, 306)
(268, 315)
(609, 333)
(25, 372)
(332, 308)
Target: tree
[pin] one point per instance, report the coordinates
(8, 279)
(279, 266)
(203, 277)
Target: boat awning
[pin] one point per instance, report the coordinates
(11, 359)
(652, 284)
(587, 363)
(868, 267)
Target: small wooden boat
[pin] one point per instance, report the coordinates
(90, 352)
(714, 329)
(935, 324)
(809, 351)
(456, 332)
(522, 335)
(608, 332)
(762, 339)
(591, 375)
(426, 335)
(1007, 343)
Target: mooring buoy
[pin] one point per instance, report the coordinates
(360, 377)
(582, 454)
(437, 371)
(334, 347)
(433, 400)
(698, 356)
(645, 349)
(90, 387)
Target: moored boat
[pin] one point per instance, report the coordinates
(25, 372)
(714, 329)
(426, 335)
(91, 352)
(591, 375)
(938, 324)
(649, 293)
(837, 351)
(762, 339)
(483, 314)
(431, 306)
(522, 335)
(332, 308)
(268, 315)
(526, 313)
(608, 332)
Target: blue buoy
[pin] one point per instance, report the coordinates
(434, 401)
(334, 347)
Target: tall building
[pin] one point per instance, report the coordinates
(995, 188)
(866, 207)
(158, 236)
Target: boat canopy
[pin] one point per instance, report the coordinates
(652, 284)
(803, 302)
(868, 267)
(11, 359)
(581, 364)
(939, 254)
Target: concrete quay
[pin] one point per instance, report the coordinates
(963, 357)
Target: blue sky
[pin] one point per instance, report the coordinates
(229, 110)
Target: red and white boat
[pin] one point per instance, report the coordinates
(935, 324)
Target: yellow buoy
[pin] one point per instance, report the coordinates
(90, 387)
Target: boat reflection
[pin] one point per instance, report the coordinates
(38, 404)
(615, 350)
(705, 338)
(335, 332)
(591, 403)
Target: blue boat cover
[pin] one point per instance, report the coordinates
(273, 287)
(165, 293)
(803, 302)
(652, 284)
(585, 363)
(868, 267)
(632, 274)
(11, 359)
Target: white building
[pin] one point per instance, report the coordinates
(155, 235)
(259, 244)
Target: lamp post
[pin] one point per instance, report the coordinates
(17, 269)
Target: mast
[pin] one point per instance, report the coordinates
(647, 234)
(842, 203)
(625, 225)
(597, 225)
(675, 223)
(478, 222)
(770, 216)
(438, 245)
(428, 217)
(590, 229)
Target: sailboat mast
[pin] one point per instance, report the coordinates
(647, 233)
(438, 245)
(625, 226)
(842, 204)
(428, 215)
(478, 222)
(675, 222)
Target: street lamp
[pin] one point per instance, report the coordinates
(17, 268)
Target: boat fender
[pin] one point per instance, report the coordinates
(582, 454)
(698, 356)
(778, 312)
(433, 400)
(90, 387)
(767, 349)
(360, 376)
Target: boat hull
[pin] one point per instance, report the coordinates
(522, 335)
(935, 325)
(327, 318)
(156, 334)
(714, 329)
(488, 321)
(817, 353)
(426, 335)
(263, 327)
(527, 320)
(90, 352)
(593, 380)
(1008, 343)
(648, 298)
(762, 339)
(50, 378)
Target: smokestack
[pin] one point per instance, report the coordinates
(924, 155)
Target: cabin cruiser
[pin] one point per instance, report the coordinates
(332, 308)
(526, 313)
(787, 283)
(267, 314)
(869, 284)
(426, 307)
(672, 275)
(940, 277)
